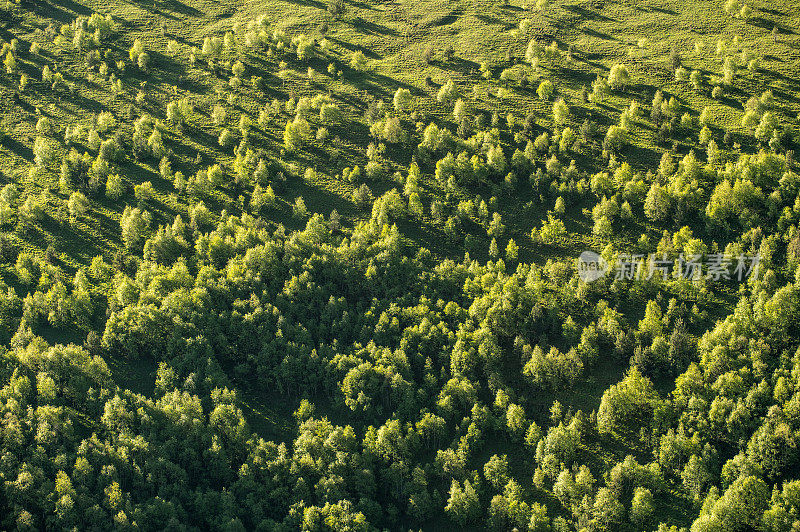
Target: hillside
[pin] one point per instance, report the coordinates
(313, 265)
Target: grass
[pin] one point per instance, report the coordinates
(394, 37)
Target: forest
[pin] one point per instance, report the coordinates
(320, 265)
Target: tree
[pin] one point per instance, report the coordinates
(545, 90)
(619, 77)
(496, 471)
(732, 7)
(741, 507)
(533, 53)
(705, 136)
(553, 231)
(560, 113)
(134, 223)
(615, 137)
(143, 191)
(402, 100)
(567, 141)
(463, 505)
(447, 93)
(766, 127)
(695, 476)
(44, 151)
(336, 8)
(512, 251)
(329, 113)
(494, 252)
(608, 511)
(600, 90)
(603, 228)
(393, 130)
(143, 61)
(78, 204)
(114, 187)
(628, 405)
(358, 61)
(296, 133)
(156, 144)
(746, 12)
(642, 506)
(218, 115)
(226, 138)
(460, 110)
(10, 63)
(696, 79)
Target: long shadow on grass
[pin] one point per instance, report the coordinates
(588, 14)
(183, 9)
(365, 26)
(55, 12)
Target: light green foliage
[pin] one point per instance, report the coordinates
(339, 300)
(358, 61)
(619, 77)
(78, 204)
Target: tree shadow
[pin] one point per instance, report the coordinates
(373, 28)
(183, 9)
(598, 34)
(355, 47)
(588, 14)
(17, 147)
(59, 10)
(767, 24)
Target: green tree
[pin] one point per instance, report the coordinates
(619, 77)
(78, 204)
(642, 507)
(358, 61)
(545, 90)
(463, 505)
(560, 113)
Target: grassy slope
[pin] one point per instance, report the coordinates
(394, 36)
